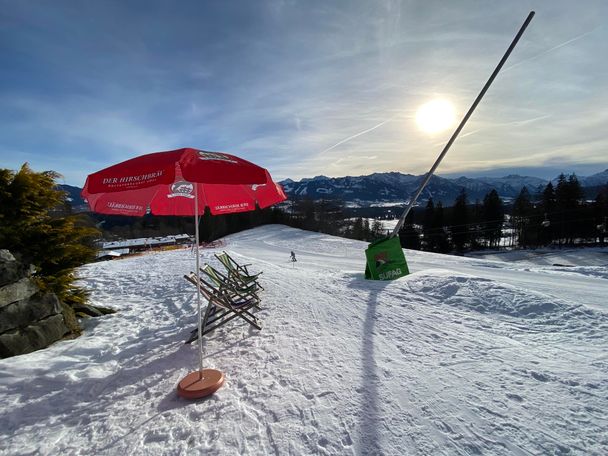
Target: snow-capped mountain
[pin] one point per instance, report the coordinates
(74, 198)
(513, 183)
(595, 179)
(398, 187)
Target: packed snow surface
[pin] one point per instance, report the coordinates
(463, 356)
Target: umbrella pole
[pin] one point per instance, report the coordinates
(199, 383)
(198, 283)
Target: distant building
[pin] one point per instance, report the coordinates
(115, 249)
(110, 254)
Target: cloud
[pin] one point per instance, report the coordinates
(303, 88)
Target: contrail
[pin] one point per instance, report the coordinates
(439, 144)
(519, 123)
(359, 134)
(565, 43)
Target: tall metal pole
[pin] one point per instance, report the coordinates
(461, 126)
(198, 283)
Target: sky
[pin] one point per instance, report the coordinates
(303, 87)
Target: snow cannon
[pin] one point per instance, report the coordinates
(385, 260)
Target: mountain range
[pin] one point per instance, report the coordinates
(73, 197)
(394, 187)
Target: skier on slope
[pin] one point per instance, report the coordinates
(293, 257)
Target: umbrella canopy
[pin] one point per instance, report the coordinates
(163, 183)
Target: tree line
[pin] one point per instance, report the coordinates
(118, 227)
(560, 215)
(554, 215)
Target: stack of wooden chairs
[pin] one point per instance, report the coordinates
(230, 294)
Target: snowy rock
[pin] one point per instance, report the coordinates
(11, 270)
(23, 289)
(6, 256)
(23, 312)
(33, 337)
(88, 311)
(29, 320)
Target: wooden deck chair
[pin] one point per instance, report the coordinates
(221, 308)
(238, 270)
(231, 285)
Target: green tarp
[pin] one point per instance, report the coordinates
(385, 260)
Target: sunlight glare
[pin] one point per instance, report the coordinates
(435, 116)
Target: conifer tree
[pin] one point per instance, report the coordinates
(367, 232)
(522, 214)
(548, 199)
(409, 237)
(428, 227)
(548, 206)
(435, 236)
(600, 212)
(568, 195)
(441, 236)
(476, 234)
(460, 222)
(358, 229)
(34, 226)
(493, 219)
(377, 230)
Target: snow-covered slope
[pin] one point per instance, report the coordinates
(463, 356)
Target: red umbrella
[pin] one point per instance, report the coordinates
(183, 182)
(164, 183)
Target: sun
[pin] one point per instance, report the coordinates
(435, 116)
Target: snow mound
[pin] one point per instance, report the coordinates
(489, 296)
(482, 295)
(589, 256)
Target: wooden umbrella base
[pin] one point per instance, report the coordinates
(199, 384)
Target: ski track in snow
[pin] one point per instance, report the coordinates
(464, 356)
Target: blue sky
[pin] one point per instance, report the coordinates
(86, 84)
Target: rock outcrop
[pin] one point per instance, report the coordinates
(29, 319)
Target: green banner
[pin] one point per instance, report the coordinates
(385, 260)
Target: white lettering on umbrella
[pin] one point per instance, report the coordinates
(132, 179)
(231, 206)
(204, 155)
(124, 206)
